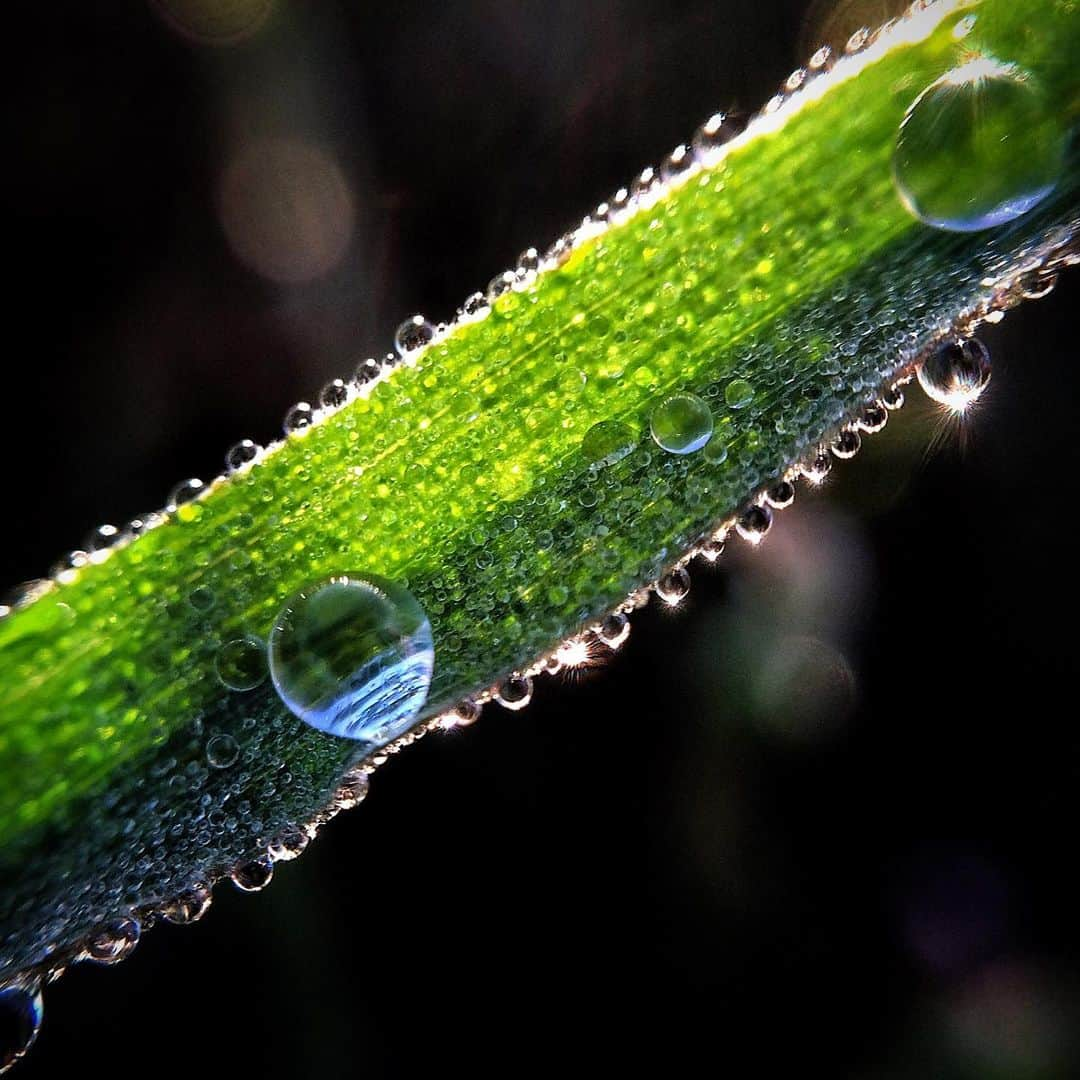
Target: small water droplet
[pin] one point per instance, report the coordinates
(676, 164)
(298, 418)
(978, 148)
(682, 424)
(289, 844)
(352, 791)
(874, 418)
(334, 394)
(514, 692)
(674, 587)
(102, 538)
(113, 941)
(712, 549)
(714, 134)
(241, 663)
(189, 906)
(253, 876)
(222, 751)
(614, 629)
(475, 306)
(818, 468)
(367, 371)
(780, 495)
(500, 284)
(353, 656)
(956, 373)
(754, 523)
(846, 444)
(466, 712)
(413, 335)
(738, 394)
(893, 399)
(21, 1013)
(184, 492)
(607, 442)
(528, 264)
(243, 453)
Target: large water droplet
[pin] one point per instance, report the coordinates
(353, 656)
(682, 424)
(978, 148)
(113, 941)
(607, 442)
(956, 373)
(21, 1010)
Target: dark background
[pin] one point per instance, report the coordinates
(824, 817)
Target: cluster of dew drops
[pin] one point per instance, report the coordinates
(954, 374)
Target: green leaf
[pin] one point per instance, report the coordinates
(784, 284)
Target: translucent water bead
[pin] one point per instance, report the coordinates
(353, 656)
(681, 424)
(21, 1011)
(978, 148)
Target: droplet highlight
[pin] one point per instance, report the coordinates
(682, 424)
(353, 656)
(978, 148)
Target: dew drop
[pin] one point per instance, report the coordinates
(780, 495)
(500, 284)
(367, 371)
(978, 148)
(674, 586)
(184, 492)
(607, 442)
(352, 791)
(956, 373)
(241, 663)
(353, 656)
(21, 1012)
(476, 306)
(414, 334)
(113, 941)
(714, 134)
(466, 712)
(243, 453)
(514, 692)
(298, 418)
(614, 629)
(102, 538)
(818, 468)
(874, 418)
(738, 394)
(754, 523)
(528, 264)
(253, 876)
(712, 549)
(189, 906)
(846, 445)
(334, 394)
(289, 844)
(682, 424)
(222, 751)
(676, 164)
(893, 399)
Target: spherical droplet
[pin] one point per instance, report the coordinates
(874, 418)
(674, 586)
(614, 629)
(682, 424)
(21, 1012)
(500, 284)
(353, 656)
(243, 453)
(528, 264)
(607, 442)
(714, 134)
(253, 876)
(475, 306)
(738, 394)
(289, 844)
(818, 468)
(514, 692)
(893, 399)
(299, 417)
(645, 183)
(466, 712)
(352, 791)
(956, 373)
(754, 523)
(102, 538)
(113, 941)
(367, 371)
(184, 492)
(781, 494)
(334, 394)
(846, 445)
(222, 751)
(241, 663)
(676, 164)
(189, 906)
(712, 549)
(978, 148)
(413, 335)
